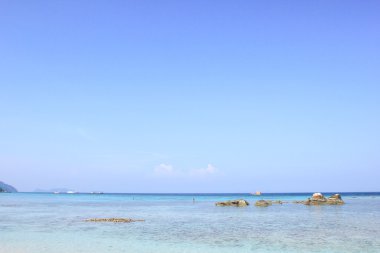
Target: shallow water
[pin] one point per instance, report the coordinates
(54, 223)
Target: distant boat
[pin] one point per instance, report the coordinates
(97, 193)
(70, 192)
(258, 193)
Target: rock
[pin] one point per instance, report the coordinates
(335, 199)
(316, 199)
(318, 196)
(239, 203)
(115, 220)
(335, 196)
(263, 203)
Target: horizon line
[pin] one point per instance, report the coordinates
(189, 193)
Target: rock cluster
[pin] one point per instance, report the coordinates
(319, 199)
(239, 203)
(315, 199)
(115, 220)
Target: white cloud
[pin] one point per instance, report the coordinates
(204, 171)
(168, 170)
(164, 169)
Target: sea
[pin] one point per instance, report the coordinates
(188, 223)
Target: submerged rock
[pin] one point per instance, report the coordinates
(276, 202)
(263, 203)
(239, 203)
(115, 220)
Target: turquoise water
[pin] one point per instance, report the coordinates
(37, 223)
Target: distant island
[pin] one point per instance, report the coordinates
(64, 190)
(7, 188)
(53, 190)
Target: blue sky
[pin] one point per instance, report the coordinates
(190, 96)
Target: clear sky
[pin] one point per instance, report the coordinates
(190, 96)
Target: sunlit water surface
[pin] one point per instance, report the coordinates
(54, 223)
